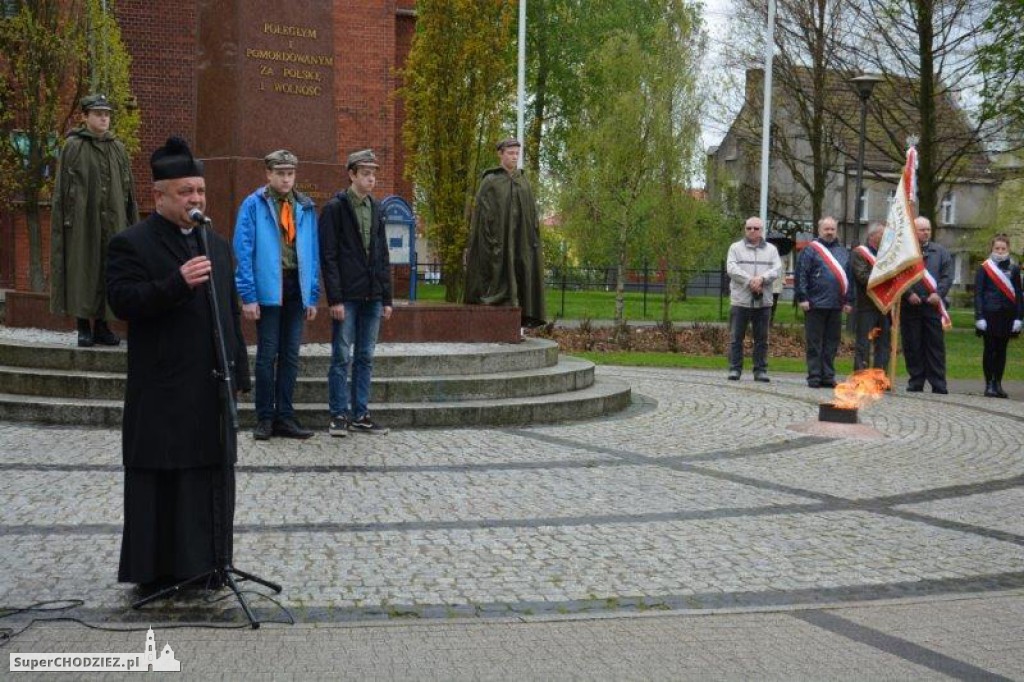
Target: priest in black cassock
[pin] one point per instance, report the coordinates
(179, 483)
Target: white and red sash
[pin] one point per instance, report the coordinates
(866, 254)
(1000, 279)
(933, 288)
(833, 265)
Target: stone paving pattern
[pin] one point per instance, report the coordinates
(698, 499)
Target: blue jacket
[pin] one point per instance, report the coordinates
(815, 282)
(257, 243)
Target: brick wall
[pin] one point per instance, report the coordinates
(161, 37)
(364, 55)
(405, 28)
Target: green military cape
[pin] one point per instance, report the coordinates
(93, 199)
(505, 265)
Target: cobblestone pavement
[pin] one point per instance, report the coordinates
(694, 535)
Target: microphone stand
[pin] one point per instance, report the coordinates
(224, 572)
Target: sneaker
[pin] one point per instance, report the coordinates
(338, 427)
(264, 429)
(289, 428)
(734, 375)
(762, 377)
(366, 425)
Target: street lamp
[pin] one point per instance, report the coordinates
(865, 84)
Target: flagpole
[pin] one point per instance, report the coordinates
(894, 337)
(521, 85)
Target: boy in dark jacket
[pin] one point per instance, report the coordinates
(357, 281)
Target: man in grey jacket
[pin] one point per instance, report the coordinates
(753, 264)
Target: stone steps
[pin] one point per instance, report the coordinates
(415, 385)
(390, 360)
(569, 374)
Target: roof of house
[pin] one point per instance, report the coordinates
(892, 118)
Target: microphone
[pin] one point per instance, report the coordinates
(196, 216)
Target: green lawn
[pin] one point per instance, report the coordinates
(963, 348)
(963, 359)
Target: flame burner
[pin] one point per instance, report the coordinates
(830, 412)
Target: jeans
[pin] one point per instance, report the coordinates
(278, 336)
(758, 319)
(352, 344)
(823, 329)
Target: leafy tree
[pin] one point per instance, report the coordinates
(43, 47)
(110, 70)
(628, 159)
(1001, 60)
(807, 143)
(42, 76)
(458, 78)
(928, 52)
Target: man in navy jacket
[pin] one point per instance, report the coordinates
(357, 281)
(924, 342)
(824, 290)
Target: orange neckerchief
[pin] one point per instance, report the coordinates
(288, 221)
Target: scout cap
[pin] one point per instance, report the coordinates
(508, 142)
(282, 158)
(96, 102)
(174, 160)
(364, 157)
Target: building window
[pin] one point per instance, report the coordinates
(947, 210)
(864, 204)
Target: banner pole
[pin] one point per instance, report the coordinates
(894, 337)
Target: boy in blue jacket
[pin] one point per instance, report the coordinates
(277, 273)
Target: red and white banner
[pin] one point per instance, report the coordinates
(1000, 279)
(933, 288)
(834, 266)
(899, 263)
(866, 254)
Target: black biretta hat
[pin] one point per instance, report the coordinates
(174, 160)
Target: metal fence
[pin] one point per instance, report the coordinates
(709, 282)
(647, 281)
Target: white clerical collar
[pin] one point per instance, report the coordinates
(186, 232)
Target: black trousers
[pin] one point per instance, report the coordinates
(823, 329)
(757, 318)
(924, 346)
(993, 360)
(865, 321)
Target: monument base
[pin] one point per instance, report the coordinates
(412, 322)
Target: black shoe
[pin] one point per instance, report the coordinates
(762, 377)
(338, 427)
(1000, 393)
(915, 389)
(102, 335)
(366, 425)
(990, 389)
(813, 384)
(830, 383)
(264, 430)
(734, 375)
(940, 391)
(289, 428)
(85, 339)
